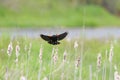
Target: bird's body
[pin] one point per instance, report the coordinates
(54, 38)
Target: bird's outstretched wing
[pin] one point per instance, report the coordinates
(45, 37)
(62, 36)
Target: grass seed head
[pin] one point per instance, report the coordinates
(10, 49)
(17, 50)
(77, 62)
(23, 78)
(16, 60)
(75, 44)
(115, 67)
(64, 56)
(116, 75)
(111, 53)
(62, 76)
(29, 50)
(40, 53)
(45, 78)
(99, 60)
(25, 47)
(6, 74)
(55, 56)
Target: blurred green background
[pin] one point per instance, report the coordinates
(59, 13)
(65, 13)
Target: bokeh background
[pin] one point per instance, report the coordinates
(90, 51)
(64, 13)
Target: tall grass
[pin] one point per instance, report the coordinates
(38, 62)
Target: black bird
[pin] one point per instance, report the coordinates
(54, 38)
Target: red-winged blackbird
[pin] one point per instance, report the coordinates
(54, 38)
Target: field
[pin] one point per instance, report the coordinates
(57, 15)
(35, 59)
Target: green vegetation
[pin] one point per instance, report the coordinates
(58, 14)
(29, 66)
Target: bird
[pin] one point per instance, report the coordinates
(54, 39)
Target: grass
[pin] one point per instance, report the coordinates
(40, 14)
(28, 65)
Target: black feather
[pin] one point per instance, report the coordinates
(54, 38)
(45, 37)
(62, 36)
